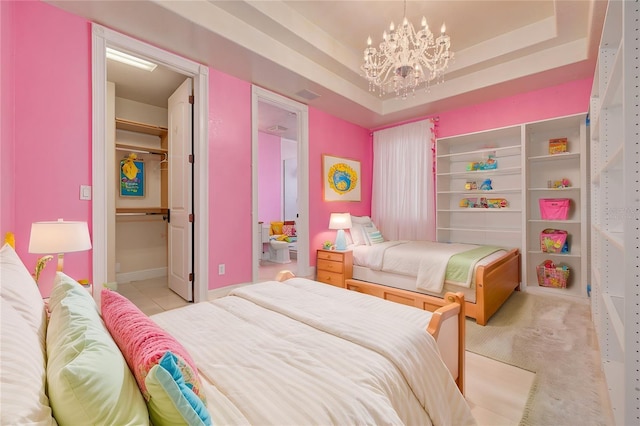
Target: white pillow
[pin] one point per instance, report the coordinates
(367, 229)
(20, 290)
(358, 234)
(23, 398)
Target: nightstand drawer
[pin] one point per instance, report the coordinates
(332, 278)
(334, 256)
(330, 266)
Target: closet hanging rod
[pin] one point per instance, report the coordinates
(139, 214)
(141, 150)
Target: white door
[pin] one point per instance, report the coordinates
(180, 232)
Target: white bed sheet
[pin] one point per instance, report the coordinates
(403, 272)
(301, 352)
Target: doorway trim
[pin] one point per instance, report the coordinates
(258, 95)
(101, 38)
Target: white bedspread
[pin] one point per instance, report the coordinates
(425, 260)
(301, 352)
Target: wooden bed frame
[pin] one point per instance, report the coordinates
(447, 325)
(494, 284)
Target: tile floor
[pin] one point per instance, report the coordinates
(496, 392)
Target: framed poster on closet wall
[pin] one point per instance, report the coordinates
(132, 180)
(341, 178)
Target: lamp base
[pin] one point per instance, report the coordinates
(341, 240)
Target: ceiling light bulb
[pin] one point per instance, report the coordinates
(131, 60)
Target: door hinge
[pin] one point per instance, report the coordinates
(191, 217)
(191, 99)
(190, 276)
(191, 158)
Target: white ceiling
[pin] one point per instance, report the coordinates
(502, 47)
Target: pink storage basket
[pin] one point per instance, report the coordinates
(554, 208)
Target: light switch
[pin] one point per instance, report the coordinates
(85, 192)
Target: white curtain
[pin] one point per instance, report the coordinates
(403, 203)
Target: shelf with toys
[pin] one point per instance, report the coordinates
(527, 163)
(479, 188)
(556, 153)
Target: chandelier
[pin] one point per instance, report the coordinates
(406, 59)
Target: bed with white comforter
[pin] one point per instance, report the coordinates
(429, 262)
(301, 352)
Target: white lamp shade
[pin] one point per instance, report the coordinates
(59, 237)
(340, 221)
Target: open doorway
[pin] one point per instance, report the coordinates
(193, 251)
(152, 234)
(280, 182)
(277, 189)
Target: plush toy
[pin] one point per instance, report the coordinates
(486, 185)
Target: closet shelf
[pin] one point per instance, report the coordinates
(142, 210)
(134, 126)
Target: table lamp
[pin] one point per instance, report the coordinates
(340, 221)
(59, 237)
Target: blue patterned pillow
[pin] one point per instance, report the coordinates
(375, 237)
(171, 399)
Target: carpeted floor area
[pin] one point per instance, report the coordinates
(553, 337)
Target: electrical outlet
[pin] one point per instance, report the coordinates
(221, 269)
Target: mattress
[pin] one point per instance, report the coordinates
(301, 352)
(408, 282)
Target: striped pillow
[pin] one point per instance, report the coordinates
(375, 237)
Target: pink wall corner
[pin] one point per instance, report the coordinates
(555, 101)
(269, 178)
(52, 71)
(7, 141)
(230, 233)
(334, 136)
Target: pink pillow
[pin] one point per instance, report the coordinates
(289, 230)
(143, 343)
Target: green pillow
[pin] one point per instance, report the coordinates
(171, 400)
(88, 380)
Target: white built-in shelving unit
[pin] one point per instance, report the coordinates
(615, 207)
(541, 168)
(521, 177)
(496, 226)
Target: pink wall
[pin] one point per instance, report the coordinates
(555, 101)
(49, 137)
(52, 137)
(330, 135)
(269, 178)
(7, 93)
(230, 233)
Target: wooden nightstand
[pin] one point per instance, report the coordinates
(334, 267)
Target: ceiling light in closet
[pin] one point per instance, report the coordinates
(128, 59)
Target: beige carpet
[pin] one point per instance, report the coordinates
(554, 338)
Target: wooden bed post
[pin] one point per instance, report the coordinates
(454, 306)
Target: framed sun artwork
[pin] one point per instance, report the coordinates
(341, 179)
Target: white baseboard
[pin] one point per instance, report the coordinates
(217, 293)
(145, 274)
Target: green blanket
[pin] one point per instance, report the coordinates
(461, 265)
